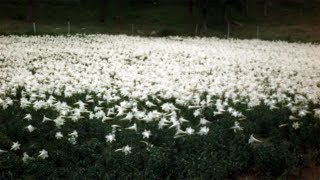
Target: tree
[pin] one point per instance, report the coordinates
(246, 4)
(103, 10)
(29, 10)
(227, 5)
(190, 6)
(203, 6)
(265, 7)
(205, 9)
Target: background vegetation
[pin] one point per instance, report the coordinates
(290, 20)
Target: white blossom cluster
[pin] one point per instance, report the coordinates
(153, 70)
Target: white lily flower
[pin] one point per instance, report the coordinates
(203, 121)
(28, 117)
(15, 146)
(292, 117)
(296, 125)
(203, 131)
(105, 118)
(30, 128)
(283, 125)
(26, 157)
(182, 120)
(110, 138)
(128, 117)
(120, 111)
(215, 113)
(73, 137)
(43, 154)
(163, 123)
(317, 113)
(133, 127)
(126, 149)
(236, 127)
(197, 113)
(72, 140)
(189, 131)
(2, 151)
(59, 135)
(73, 134)
(146, 134)
(59, 121)
(175, 124)
(253, 140)
(179, 133)
(150, 104)
(46, 119)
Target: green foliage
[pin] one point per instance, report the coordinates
(270, 160)
(222, 154)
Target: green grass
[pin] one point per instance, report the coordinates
(292, 22)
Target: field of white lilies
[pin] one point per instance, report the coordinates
(102, 106)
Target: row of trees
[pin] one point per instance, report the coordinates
(226, 6)
(196, 7)
(102, 4)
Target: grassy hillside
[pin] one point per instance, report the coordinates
(290, 22)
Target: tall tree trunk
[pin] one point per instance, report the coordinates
(205, 8)
(227, 13)
(103, 10)
(190, 5)
(246, 3)
(30, 10)
(265, 7)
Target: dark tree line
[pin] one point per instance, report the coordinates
(103, 10)
(195, 7)
(225, 5)
(29, 10)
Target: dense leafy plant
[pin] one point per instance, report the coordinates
(222, 153)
